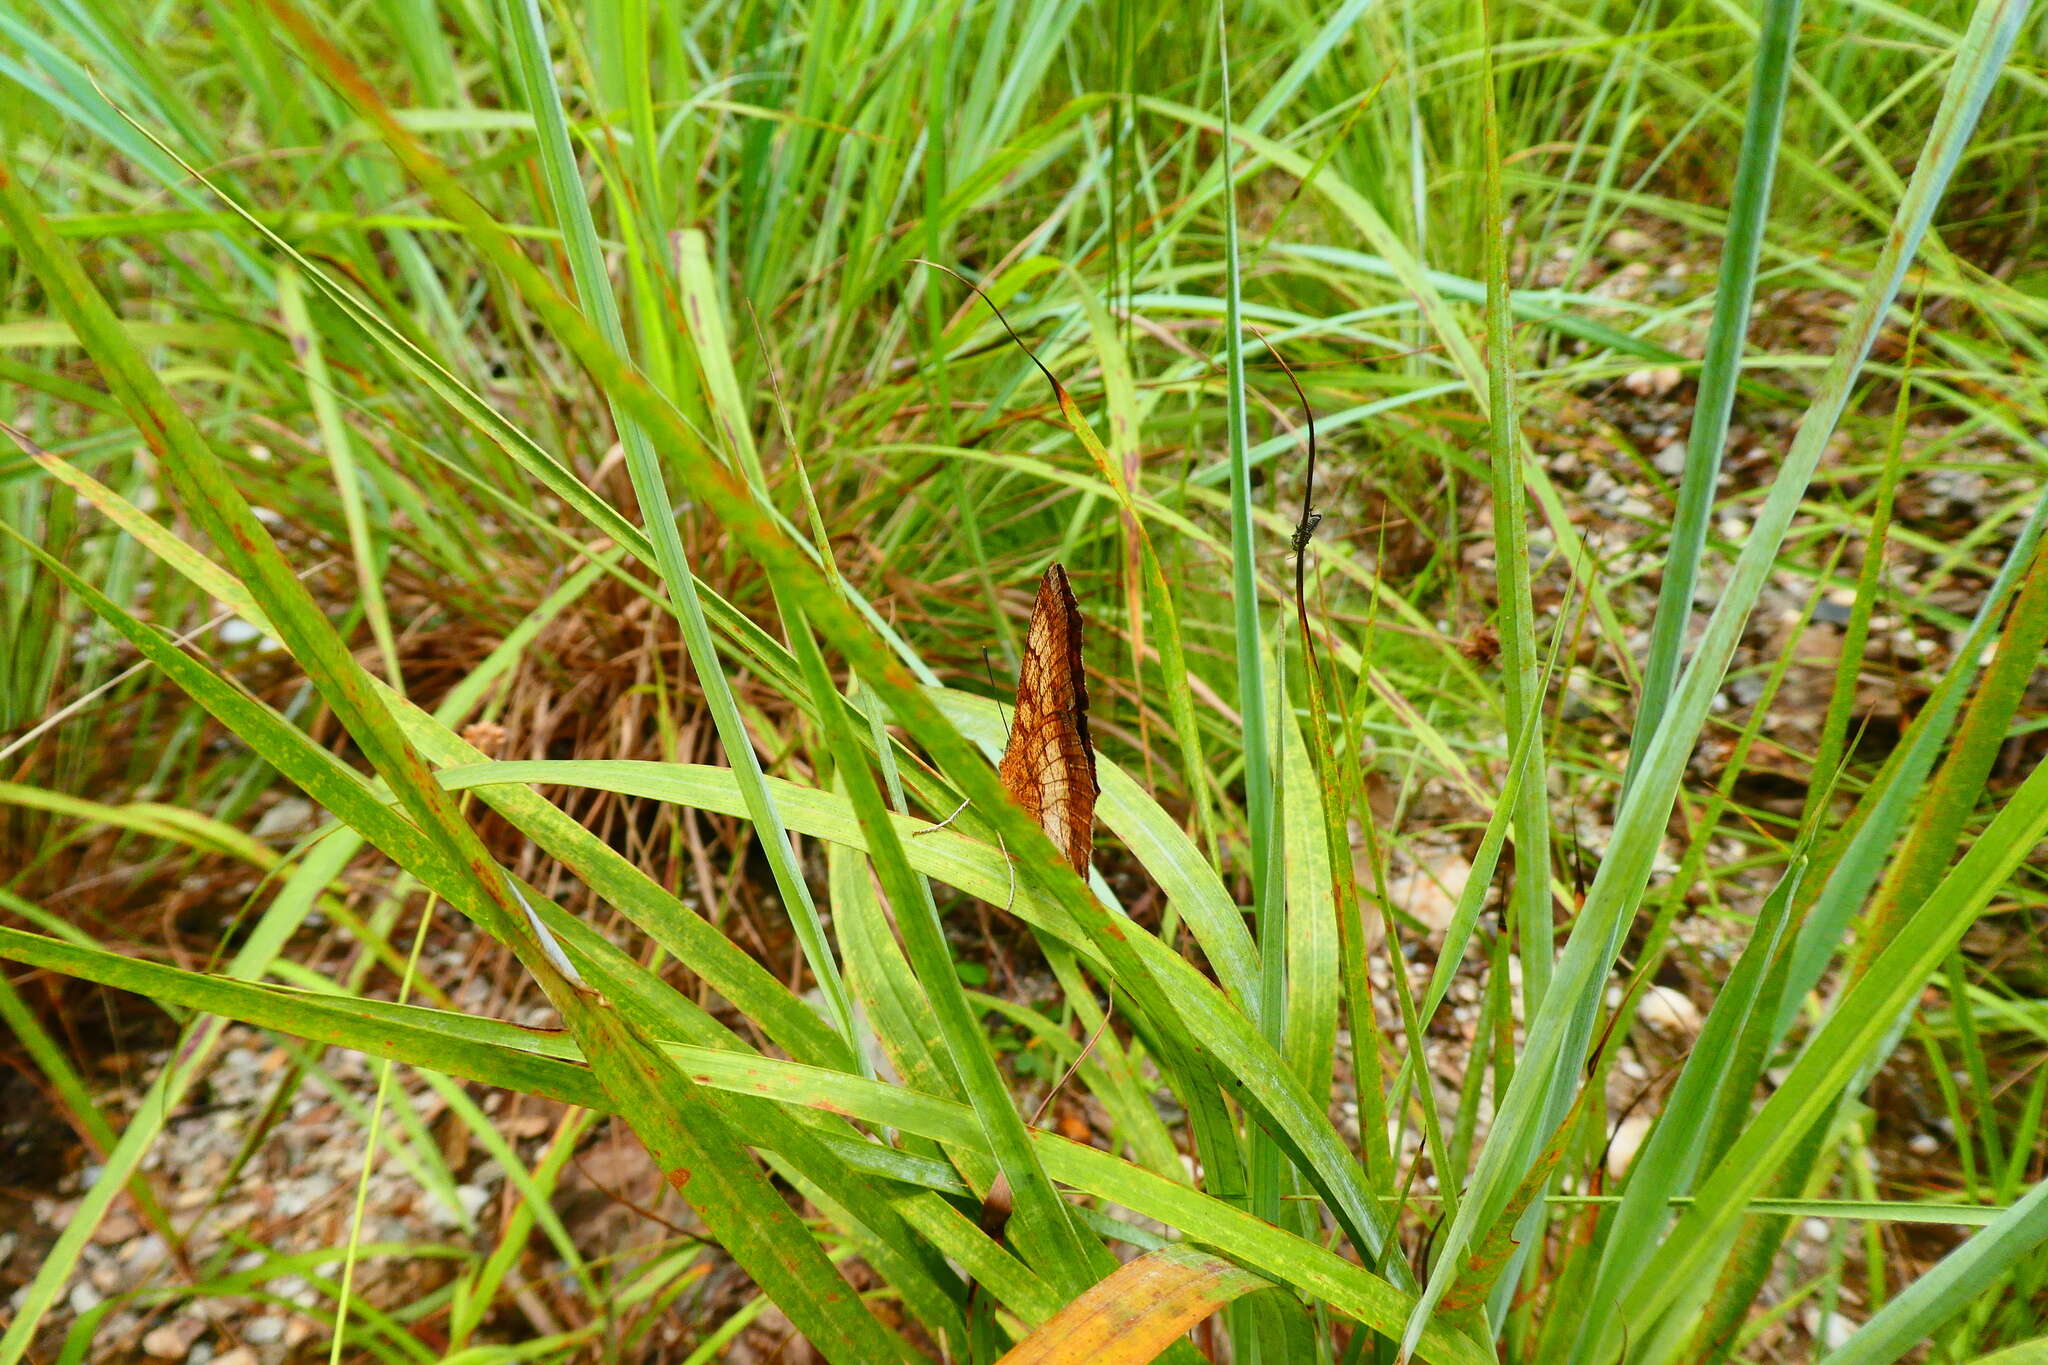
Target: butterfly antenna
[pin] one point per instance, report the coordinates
(997, 692)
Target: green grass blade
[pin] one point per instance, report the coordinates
(1951, 1287)
(1721, 363)
(1531, 913)
(1046, 1235)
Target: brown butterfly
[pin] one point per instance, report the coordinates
(1049, 766)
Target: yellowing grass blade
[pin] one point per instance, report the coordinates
(1137, 1312)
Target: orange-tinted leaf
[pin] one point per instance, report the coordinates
(1137, 1312)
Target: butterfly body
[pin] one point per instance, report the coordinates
(1048, 767)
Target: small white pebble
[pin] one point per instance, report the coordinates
(1669, 1012)
(1628, 1139)
(172, 1340)
(1830, 1332)
(473, 1198)
(1430, 893)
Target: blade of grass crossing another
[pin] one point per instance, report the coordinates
(1950, 1288)
(572, 208)
(1880, 821)
(1980, 737)
(792, 1024)
(1712, 1080)
(739, 1204)
(1046, 1235)
(1171, 996)
(1560, 1033)
(1842, 1047)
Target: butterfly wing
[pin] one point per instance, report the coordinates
(1049, 766)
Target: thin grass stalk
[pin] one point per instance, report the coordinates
(1834, 730)
(1531, 912)
(381, 1100)
(1144, 573)
(1262, 854)
(337, 438)
(1243, 578)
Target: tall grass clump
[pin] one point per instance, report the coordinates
(583, 456)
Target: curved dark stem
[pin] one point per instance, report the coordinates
(1304, 529)
(1059, 391)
